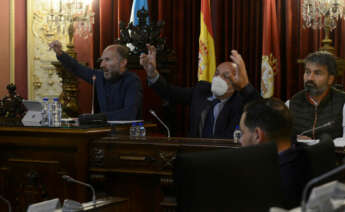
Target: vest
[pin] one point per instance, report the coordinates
(330, 109)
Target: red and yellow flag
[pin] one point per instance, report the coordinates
(270, 65)
(207, 56)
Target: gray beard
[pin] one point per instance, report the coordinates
(313, 91)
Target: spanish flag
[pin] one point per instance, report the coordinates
(207, 56)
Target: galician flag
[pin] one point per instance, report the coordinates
(207, 56)
(138, 5)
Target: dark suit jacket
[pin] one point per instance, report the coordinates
(197, 96)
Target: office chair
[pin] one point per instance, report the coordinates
(321, 157)
(244, 179)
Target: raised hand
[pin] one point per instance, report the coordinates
(238, 75)
(56, 46)
(148, 61)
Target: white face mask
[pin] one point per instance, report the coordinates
(219, 87)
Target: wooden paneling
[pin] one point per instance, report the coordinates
(141, 169)
(32, 161)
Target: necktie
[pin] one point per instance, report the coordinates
(209, 121)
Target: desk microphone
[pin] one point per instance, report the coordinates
(155, 115)
(316, 180)
(327, 124)
(70, 179)
(8, 203)
(93, 94)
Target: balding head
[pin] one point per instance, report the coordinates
(114, 61)
(122, 51)
(221, 84)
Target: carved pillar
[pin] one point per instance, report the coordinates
(69, 95)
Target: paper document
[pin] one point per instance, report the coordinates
(125, 122)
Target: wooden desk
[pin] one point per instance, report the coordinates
(32, 161)
(110, 204)
(141, 169)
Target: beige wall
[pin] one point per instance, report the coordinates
(4, 46)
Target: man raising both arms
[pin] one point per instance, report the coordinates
(215, 109)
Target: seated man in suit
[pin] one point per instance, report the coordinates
(319, 103)
(119, 91)
(215, 109)
(269, 120)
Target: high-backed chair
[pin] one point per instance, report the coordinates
(321, 157)
(244, 179)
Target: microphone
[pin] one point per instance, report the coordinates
(155, 115)
(316, 180)
(7, 202)
(327, 124)
(70, 179)
(93, 94)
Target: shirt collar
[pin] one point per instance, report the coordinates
(313, 101)
(213, 97)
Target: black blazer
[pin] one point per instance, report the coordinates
(197, 96)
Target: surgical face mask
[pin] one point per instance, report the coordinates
(219, 86)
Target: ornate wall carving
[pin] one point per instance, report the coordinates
(43, 80)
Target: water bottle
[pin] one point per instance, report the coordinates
(56, 113)
(142, 130)
(237, 134)
(45, 112)
(137, 129)
(132, 130)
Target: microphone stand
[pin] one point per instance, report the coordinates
(316, 180)
(70, 179)
(93, 94)
(155, 115)
(317, 128)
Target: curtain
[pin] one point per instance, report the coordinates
(234, 29)
(237, 25)
(297, 42)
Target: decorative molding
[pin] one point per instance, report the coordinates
(97, 156)
(12, 42)
(43, 81)
(167, 159)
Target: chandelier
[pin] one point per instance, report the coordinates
(68, 17)
(324, 14)
(57, 19)
(318, 14)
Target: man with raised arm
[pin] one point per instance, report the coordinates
(119, 92)
(215, 108)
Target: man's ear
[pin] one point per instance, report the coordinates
(259, 135)
(123, 63)
(331, 79)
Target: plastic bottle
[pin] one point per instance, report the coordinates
(56, 113)
(137, 130)
(132, 130)
(237, 134)
(45, 112)
(142, 130)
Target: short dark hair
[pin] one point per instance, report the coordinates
(271, 115)
(123, 51)
(323, 58)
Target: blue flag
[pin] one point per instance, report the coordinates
(138, 5)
